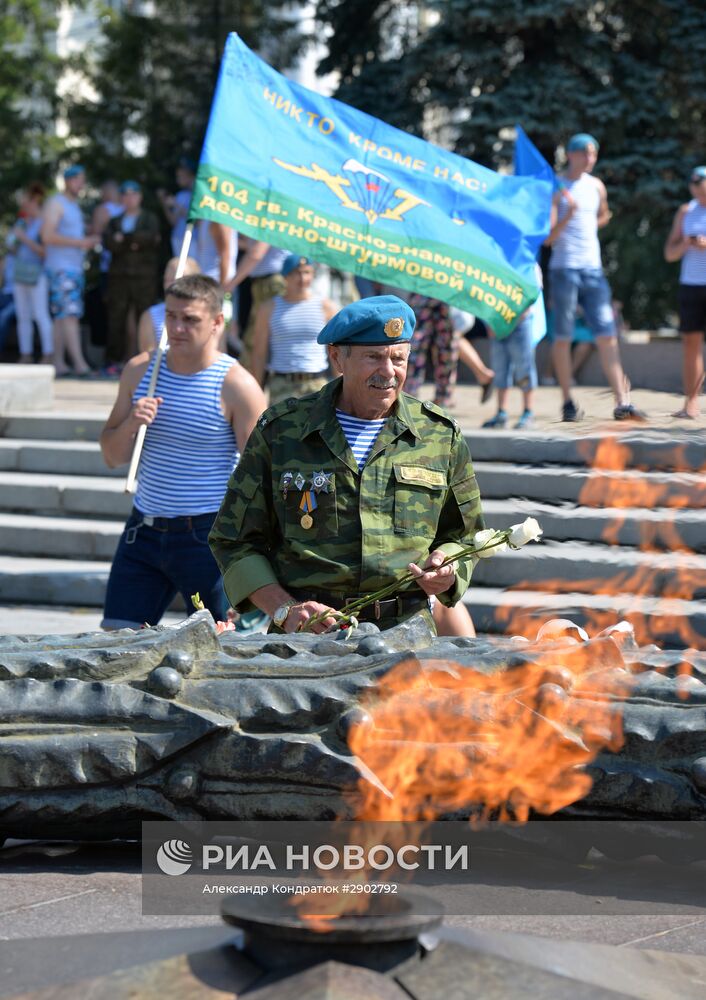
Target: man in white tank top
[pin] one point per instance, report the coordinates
(687, 243)
(579, 210)
(201, 414)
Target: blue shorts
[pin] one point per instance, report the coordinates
(66, 294)
(587, 287)
(512, 358)
(153, 564)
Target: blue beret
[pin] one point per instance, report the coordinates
(379, 319)
(129, 186)
(580, 141)
(73, 171)
(293, 261)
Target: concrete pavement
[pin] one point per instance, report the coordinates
(94, 398)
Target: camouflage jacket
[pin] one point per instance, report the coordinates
(416, 492)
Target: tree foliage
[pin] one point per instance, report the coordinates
(28, 76)
(633, 74)
(154, 76)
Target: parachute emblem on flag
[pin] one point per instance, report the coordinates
(361, 189)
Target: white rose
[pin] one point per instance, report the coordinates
(520, 534)
(482, 538)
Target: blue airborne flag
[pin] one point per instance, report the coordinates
(529, 162)
(309, 174)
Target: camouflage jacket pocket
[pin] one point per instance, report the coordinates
(419, 496)
(307, 515)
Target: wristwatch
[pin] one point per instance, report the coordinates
(281, 614)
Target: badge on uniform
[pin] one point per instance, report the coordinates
(321, 481)
(285, 483)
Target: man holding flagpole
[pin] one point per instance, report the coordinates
(200, 415)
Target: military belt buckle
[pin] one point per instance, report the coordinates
(149, 521)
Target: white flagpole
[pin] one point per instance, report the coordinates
(131, 482)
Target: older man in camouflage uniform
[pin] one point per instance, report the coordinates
(342, 492)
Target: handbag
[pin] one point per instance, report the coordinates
(27, 272)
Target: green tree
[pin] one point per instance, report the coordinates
(28, 76)
(632, 74)
(154, 75)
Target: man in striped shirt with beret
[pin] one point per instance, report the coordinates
(343, 491)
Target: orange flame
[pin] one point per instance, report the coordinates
(445, 739)
(665, 569)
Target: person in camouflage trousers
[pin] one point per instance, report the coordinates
(344, 491)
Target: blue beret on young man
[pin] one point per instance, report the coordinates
(294, 261)
(580, 141)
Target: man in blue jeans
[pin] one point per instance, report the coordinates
(579, 210)
(198, 419)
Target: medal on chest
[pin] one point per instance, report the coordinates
(307, 504)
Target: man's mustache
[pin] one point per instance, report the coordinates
(378, 382)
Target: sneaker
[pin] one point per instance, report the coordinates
(526, 420)
(570, 412)
(499, 420)
(628, 412)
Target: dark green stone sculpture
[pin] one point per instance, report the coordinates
(102, 731)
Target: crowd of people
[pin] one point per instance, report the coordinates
(333, 374)
(123, 247)
(53, 248)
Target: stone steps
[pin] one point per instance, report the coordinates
(681, 451)
(580, 567)
(77, 537)
(71, 458)
(661, 529)
(51, 426)
(99, 496)
(608, 550)
(671, 622)
(39, 580)
(53, 581)
(591, 488)
(68, 479)
(58, 537)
